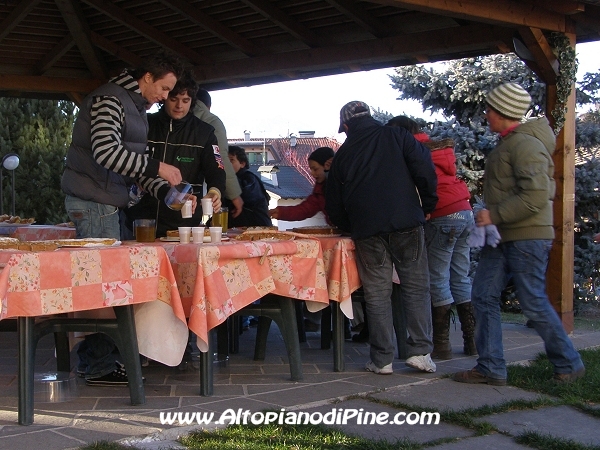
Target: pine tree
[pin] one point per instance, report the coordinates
(39, 131)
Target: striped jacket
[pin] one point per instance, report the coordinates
(109, 142)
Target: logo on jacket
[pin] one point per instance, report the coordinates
(218, 156)
(185, 159)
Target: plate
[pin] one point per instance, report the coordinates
(14, 225)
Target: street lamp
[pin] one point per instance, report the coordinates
(10, 161)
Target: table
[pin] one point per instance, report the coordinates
(34, 284)
(42, 232)
(217, 280)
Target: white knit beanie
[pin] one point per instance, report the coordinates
(510, 100)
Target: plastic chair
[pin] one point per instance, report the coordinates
(282, 310)
(121, 330)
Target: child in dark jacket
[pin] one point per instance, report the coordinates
(319, 162)
(256, 199)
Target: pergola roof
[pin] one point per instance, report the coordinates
(65, 48)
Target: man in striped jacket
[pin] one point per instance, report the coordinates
(106, 155)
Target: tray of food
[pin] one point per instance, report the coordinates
(11, 221)
(318, 231)
(86, 242)
(264, 235)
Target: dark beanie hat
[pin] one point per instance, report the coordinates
(322, 155)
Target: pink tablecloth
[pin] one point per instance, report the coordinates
(42, 233)
(341, 272)
(93, 278)
(216, 280)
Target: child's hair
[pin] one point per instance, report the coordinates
(239, 153)
(321, 155)
(407, 123)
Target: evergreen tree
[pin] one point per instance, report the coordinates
(39, 131)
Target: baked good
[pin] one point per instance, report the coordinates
(256, 235)
(320, 229)
(83, 242)
(5, 218)
(9, 243)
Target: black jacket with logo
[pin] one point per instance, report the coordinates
(190, 145)
(381, 180)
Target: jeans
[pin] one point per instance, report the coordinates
(526, 261)
(94, 220)
(449, 258)
(376, 257)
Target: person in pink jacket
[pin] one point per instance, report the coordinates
(448, 252)
(319, 162)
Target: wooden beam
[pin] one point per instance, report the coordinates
(139, 26)
(501, 12)
(542, 53)
(55, 54)
(284, 21)
(394, 48)
(360, 16)
(559, 280)
(130, 58)
(29, 83)
(195, 15)
(80, 32)
(16, 16)
(565, 7)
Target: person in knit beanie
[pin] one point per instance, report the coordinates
(518, 190)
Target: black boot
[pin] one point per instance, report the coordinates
(441, 332)
(466, 315)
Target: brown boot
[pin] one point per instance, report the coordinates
(466, 315)
(441, 332)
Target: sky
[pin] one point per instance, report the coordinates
(278, 109)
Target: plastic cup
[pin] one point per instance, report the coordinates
(184, 234)
(221, 219)
(186, 211)
(215, 234)
(207, 206)
(144, 230)
(178, 195)
(198, 234)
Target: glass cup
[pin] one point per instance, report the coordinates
(144, 230)
(184, 234)
(221, 219)
(215, 234)
(178, 195)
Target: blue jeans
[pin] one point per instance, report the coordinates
(526, 261)
(94, 220)
(449, 258)
(376, 257)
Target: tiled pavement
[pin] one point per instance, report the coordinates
(104, 413)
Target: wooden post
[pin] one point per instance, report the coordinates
(559, 281)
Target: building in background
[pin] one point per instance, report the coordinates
(282, 164)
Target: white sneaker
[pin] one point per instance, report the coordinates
(421, 362)
(385, 370)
